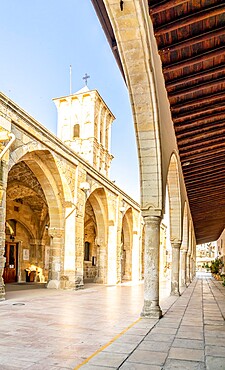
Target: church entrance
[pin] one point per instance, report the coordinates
(11, 255)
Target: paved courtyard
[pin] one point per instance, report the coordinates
(100, 328)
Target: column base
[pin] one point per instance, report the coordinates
(2, 293)
(151, 311)
(177, 294)
(53, 284)
(98, 280)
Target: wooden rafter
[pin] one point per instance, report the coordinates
(191, 41)
(186, 133)
(195, 114)
(206, 120)
(211, 73)
(189, 104)
(165, 5)
(195, 59)
(200, 87)
(190, 19)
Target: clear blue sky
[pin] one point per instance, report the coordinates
(39, 40)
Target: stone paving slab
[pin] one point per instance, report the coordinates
(108, 358)
(184, 365)
(148, 357)
(181, 353)
(177, 341)
(133, 366)
(188, 343)
(191, 334)
(215, 363)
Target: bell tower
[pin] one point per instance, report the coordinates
(84, 124)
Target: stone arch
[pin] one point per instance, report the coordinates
(135, 51)
(50, 176)
(174, 192)
(98, 201)
(173, 185)
(24, 225)
(185, 228)
(127, 245)
(184, 247)
(43, 165)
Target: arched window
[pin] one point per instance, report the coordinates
(76, 130)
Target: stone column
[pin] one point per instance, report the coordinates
(102, 264)
(5, 136)
(183, 267)
(175, 270)
(68, 278)
(151, 308)
(135, 257)
(188, 280)
(55, 258)
(112, 255)
(3, 185)
(194, 268)
(191, 269)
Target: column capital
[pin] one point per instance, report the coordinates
(55, 232)
(151, 212)
(176, 243)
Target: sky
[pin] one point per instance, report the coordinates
(39, 41)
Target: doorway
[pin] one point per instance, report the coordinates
(11, 255)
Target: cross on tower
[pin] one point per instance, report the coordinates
(86, 78)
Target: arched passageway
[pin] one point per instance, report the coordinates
(95, 250)
(126, 246)
(90, 247)
(34, 211)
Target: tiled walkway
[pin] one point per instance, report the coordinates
(191, 335)
(95, 329)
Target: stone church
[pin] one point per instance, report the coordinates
(63, 221)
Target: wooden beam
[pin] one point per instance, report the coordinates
(190, 19)
(207, 188)
(207, 170)
(164, 5)
(214, 160)
(201, 145)
(191, 157)
(195, 166)
(204, 120)
(195, 77)
(205, 178)
(209, 209)
(200, 131)
(190, 41)
(193, 60)
(205, 200)
(194, 88)
(202, 138)
(202, 150)
(180, 118)
(206, 100)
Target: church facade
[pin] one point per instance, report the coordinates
(62, 220)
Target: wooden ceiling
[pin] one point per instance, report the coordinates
(191, 42)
